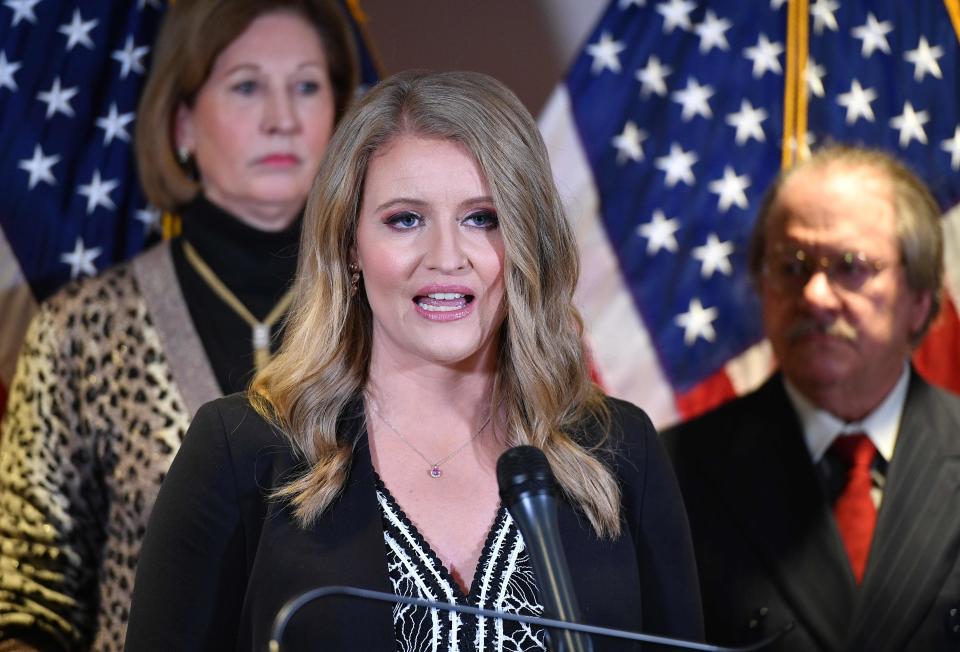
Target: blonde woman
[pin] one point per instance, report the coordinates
(432, 329)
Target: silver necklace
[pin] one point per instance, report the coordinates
(434, 467)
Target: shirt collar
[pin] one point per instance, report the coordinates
(820, 427)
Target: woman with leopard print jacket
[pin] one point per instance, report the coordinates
(236, 114)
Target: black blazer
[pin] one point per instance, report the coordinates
(220, 559)
(768, 550)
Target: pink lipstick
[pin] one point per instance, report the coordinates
(444, 302)
(279, 160)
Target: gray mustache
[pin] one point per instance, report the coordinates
(840, 327)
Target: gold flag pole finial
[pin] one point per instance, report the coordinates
(953, 8)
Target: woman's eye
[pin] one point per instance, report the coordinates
(308, 87)
(245, 87)
(482, 220)
(404, 220)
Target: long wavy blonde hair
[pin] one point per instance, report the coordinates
(542, 376)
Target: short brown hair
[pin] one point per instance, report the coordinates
(193, 35)
(916, 212)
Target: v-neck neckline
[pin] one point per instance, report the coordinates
(472, 597)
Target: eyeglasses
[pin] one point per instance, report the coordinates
(790, 269)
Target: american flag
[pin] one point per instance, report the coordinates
(71, 72)
(70, 77)
(667, 130)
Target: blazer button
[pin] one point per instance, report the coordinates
(952, 621)
(757, 618)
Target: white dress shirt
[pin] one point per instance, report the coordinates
(882, 425)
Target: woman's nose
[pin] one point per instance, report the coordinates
(280, 113)
(445, 252)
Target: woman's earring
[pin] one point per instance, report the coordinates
(354, 279)
(183, 154)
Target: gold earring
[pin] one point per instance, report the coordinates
(354, 279)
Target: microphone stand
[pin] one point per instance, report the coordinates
(294, 604)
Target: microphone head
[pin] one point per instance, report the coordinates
(523, 471)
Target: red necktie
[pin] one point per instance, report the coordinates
(854, 510)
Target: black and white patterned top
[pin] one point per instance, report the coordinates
(504, 581)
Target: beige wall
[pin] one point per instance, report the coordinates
(527, 44)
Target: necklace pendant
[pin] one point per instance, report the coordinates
(435, 472)
(261, 336)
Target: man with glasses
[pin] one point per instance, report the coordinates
(830, 497)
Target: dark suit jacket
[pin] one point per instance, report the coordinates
(220, 558)
(768, 550)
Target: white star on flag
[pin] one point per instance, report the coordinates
(765, 56)
(98, 192)
(7, 70)
(857, 102)
(81, 259)
(678, 166)
(910, 124)
(730, 189)
(58, 99)
(822, 13)
(694, 98)
(115, 124)
(715, 256)
(676, 13)
(697, 323)
(652, 78)
(606, 54)
(712, 32)
(22, 10)
(924, 60)
(952, 147)
(149, 217)
(662, 231)
(39, 167)
(747, 122)
(130, 58)
(629, 143)
(874, 35)
(814, 75)
(659, 233)
(77, 31)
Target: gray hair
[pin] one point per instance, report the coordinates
(916, 213)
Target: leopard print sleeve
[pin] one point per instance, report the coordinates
(51, 501)
(94, 420)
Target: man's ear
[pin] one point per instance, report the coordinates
(919, 310)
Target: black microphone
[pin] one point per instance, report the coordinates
(527, 490)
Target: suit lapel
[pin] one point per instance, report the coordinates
(918, 529)
(189, 364)
(764, 473)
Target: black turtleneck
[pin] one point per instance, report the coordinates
(258, 266)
